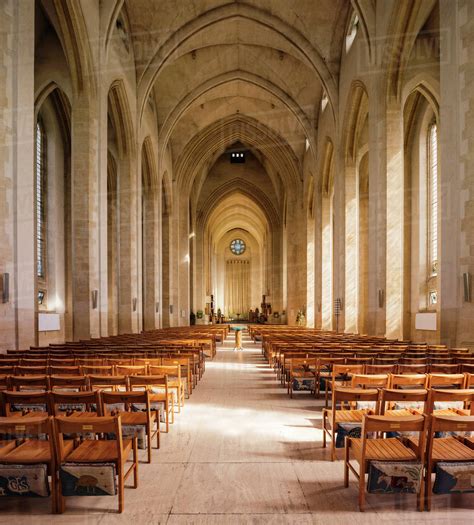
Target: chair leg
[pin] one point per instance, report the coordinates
(324, 429)
(346, 465)
(428, 487)
(333, 444)
(60, 501)
(362, 488)
(135, 462)
(54, 492)
(121, 491)
(148, 442)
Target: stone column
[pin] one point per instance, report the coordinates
(456, 158)
(17, 125)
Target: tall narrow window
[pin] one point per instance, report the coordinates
(433, 199)
(40, 201)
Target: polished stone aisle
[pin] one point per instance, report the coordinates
(240, 452)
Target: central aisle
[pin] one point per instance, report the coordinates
(244, 452)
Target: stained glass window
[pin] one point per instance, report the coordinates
(237, 246)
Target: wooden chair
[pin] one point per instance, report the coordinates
(446, 449)
(173, 373)
(334, 417)
(38, 449)
(96, 451)
(69, 403)
(368, 448)
(17, 404)
(157, 386)
(144, 417)
(302, 369)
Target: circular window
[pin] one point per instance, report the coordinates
(237, 246)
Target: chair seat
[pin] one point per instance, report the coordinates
(136, 418)
(6, 446)
(96, 451)
(451, 412)
(451, 449)
(402, 412)
(389, 449)
(348, 416)
(32, 451)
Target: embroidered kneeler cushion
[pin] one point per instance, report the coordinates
(24, 480)
(454, 477)
(88, 480)
(388, 477)
(130, 431)
(300, 383)
(347, 429)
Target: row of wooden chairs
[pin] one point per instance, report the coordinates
(60, 441)
(418, 456)
(350, 404)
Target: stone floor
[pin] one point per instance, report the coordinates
(241, 452)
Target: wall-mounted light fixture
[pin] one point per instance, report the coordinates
(157, 307)
(95, 296)
(134, 304)
(381, 298)
(467, 282)
(171, 309)
(5, 287)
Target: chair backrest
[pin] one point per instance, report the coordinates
(446, 380)
(67, 382)
(378, 368)
(27, 400)
(450, 396)
(102, 370)
(33, 427)
(437, 368)
(100, 382)
(71, 400)
(351, 395)
(469, 382)
(65, 370)
(147, 382)
(55, 361)
(451, 424)
(130, 370)
(37, 382)
(169, 370)
(127, 399)
(31, 370)
(412, 369)
(408, 380)
(346, 372)
(370, 381)
(405, 396)
(85, 426)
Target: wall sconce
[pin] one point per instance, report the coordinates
(381, 298)
(466, 277)
(171, 309)
(134, 304)
(95, 296)
(5, 287)
(157, 307)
